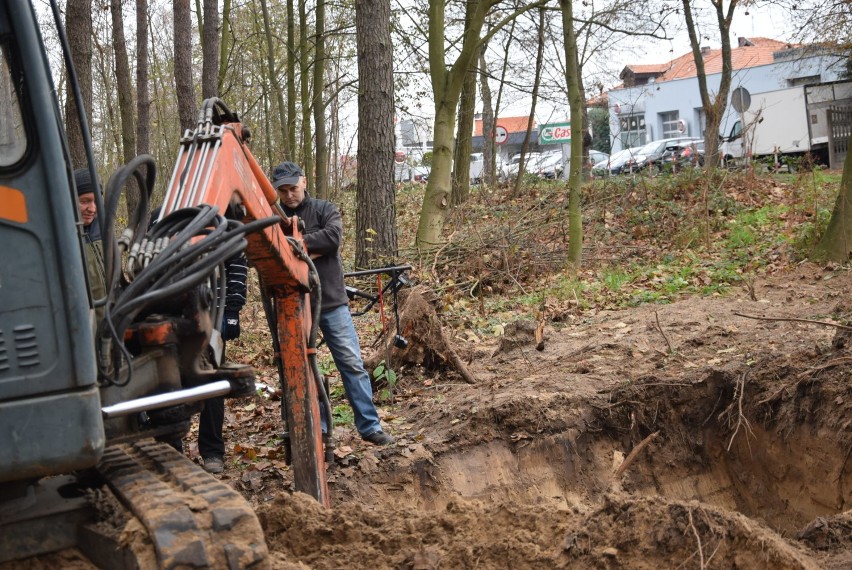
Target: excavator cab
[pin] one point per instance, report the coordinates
(50, 418)
(86, 402)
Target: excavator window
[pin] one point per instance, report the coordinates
(13, 140)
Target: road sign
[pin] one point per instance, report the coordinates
(399, 157)
(501, 135)
(555, 133)
(740, 99)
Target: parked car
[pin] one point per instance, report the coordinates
(477, 165)
(684, 154)
(552, 165)
(596, 156)
(420, 173)
(511, 170)
(549, 165)
(615, 163)
(648, 157)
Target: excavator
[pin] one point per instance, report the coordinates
(92, 389)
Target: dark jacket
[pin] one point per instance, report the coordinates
(95, 264)
(236, 271)
(323, 234)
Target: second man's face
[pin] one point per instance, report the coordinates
(292, 194)
(88, 211)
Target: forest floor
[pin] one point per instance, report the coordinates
(687, 402)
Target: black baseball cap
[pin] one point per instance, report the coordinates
(287, 173)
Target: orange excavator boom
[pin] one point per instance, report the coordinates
(216, 167)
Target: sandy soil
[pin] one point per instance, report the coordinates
(663, 436)
(742, 429)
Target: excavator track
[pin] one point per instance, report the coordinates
(190, 519)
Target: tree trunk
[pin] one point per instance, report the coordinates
(291, 82)
(436, 201)
(321, 185)
(714, 107)
(376, 208)
(446, 90)
(836, 242)
(305, 84)
(210, 50)
(575, 100)
(467, 103)
(125, 99)
(187, 105)
(504, 68)
(143, 98)
(488, 163)
(539, 57)
(273, 78)
(78, 25)
(224, 47)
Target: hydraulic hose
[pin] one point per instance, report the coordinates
(197, 242)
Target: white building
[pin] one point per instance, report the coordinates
(662, 100)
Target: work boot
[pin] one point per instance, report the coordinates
(214, 465)
(379, 438)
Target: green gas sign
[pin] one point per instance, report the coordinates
(555, 133)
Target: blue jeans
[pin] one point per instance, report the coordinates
(342, 340)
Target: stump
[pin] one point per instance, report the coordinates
(427, 346)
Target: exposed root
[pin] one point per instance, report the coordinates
(427, 345)
(635, 453)
(741, 420)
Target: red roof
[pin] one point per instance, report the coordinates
(511, 124)
(760, 52)
(639, 69)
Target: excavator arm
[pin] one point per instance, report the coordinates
(216, 167)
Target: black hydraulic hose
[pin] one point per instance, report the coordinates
(151, 276)
(183, 278)
(112, 258)
(181, 266)
(196, 276)
(112, 262)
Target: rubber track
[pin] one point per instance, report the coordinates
(193, 519)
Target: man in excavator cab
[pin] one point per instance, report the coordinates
(82, 397)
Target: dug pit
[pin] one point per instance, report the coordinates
(744, 464)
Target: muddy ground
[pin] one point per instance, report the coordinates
(741, 427)
(662, 436)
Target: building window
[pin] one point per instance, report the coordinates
(671, 124)
(632, 129)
